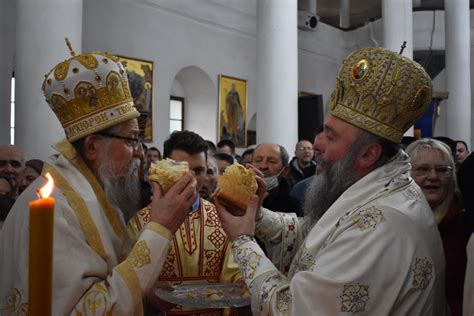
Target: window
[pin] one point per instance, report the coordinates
(176, 114)
(12, 112)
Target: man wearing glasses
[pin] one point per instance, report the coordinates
(302, 166)
(98, 269)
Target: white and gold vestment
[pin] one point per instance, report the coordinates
(96, 271)
(376, 251)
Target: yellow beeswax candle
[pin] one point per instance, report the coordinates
(40, 277)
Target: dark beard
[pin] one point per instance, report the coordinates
(327, 186)
(122, 191)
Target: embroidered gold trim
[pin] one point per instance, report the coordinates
(140, 255)
(422, 273)
(368, 218)
(284, 300)
(160, 230)
(130, 278)
(68, 151)
(80, 209)
(354, 297)
(14, 304)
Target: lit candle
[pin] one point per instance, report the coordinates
(40, 277)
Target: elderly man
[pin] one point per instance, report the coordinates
(369, 243)
(272, 161)
(201, 250)
(97, 269)
(12, 166)
(302, 166)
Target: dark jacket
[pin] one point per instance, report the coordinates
(280, 200)
(296, 173)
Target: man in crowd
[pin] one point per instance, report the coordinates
(97, 269)
(223, 161)
(461, 152)
(210, 183)
(271, 160)
(201, 250)
(299, 189)
(247, 155)
(12, 166)
(226, 146)
(211, 148)
(369, 243)
(302, 165)
(152, 155)
(33, 169)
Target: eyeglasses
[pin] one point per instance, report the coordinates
(441, 171)
(135, 143)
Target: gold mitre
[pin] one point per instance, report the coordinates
(89, 93)
(381, 92)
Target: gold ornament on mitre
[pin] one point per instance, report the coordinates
(381, 92)
(89, 93)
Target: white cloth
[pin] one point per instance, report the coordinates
(376, 251)
(468, 300)
(95, 269)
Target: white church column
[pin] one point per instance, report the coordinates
(41, 26)
(277, 72)
(344, 14)
(397, 23)
(458, 77)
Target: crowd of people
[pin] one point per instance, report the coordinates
(360, 220)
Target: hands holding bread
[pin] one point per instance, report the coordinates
(238, 198)
(244, 192)
(175, 194)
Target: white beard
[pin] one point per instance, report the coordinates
(122, 191)
(327, 186)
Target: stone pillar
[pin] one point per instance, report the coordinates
(458, 77)
(277, 72)
(344, 14)
(41, 26)
(397, 23)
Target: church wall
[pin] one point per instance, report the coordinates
(218, 37)
(175, 35)
(7, 47)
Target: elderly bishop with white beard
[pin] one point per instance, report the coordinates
(368, 244)
(97, 268)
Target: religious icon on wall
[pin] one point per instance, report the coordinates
(140, 79)
(232, 110)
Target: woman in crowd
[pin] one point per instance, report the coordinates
(433, 170)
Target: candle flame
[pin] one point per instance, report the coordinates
(46, 190)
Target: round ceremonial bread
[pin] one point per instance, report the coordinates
(167, 172)
(236, 186)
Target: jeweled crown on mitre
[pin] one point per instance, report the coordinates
(89, 93)
(381, 92)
